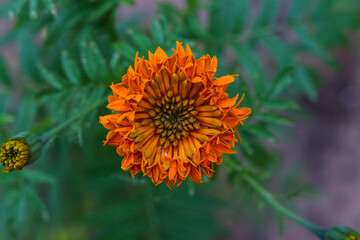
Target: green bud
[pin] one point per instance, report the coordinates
(21, 150)
(341, 233)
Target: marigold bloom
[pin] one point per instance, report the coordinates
(20, 151)
(171, 118)
(341, 233)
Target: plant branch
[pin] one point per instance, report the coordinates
(47, 135)
(318, 231)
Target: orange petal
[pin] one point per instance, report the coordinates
(156, 159)
(141, 116)
(156, 173)
(192, 145)
(196, 142)
(216, 113)
(207, 108)
(229, 102)
(159, 80)
(173, 170)
(156, 88)
(208, 131)
(150, 150)
(175, 153)
(146, 142)
(195, 175)
(169, 151)
(243, 111)
(195, 89)
(175, 83)
(210, 122)
(184, 89)
(141, 137)
(182, 152)
(224, 80)
(201, 137)
(160, 54)
(119, 106)
(166, 78)
(119, 90)
(222, 148)
(140, 130)
(187, 148)
(182, 75)
(145, 104)
(188, 50)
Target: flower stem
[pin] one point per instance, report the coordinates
(47, 135)
(317, 230)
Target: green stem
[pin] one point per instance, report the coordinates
(318, 231)
(46, 136)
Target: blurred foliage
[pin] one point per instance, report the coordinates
(68, 52)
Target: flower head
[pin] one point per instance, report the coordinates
(171, 118)
(341, 233)
(20, 151)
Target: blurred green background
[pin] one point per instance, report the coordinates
(297, 62)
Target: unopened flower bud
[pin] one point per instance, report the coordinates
(341, 233)
(21, 150)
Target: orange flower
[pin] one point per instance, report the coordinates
(170, 118)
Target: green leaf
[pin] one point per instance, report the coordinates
(50, 5)
(282, 81)
(50, 77)
(4, 75)
(196, 28)
(65, 21)
(241, 19)
(260, 131)
(37, 176)
(268, 13)
(260, 84)
(246, 146)
(248, 59)
(25, 114)
(8, 179)
(141, 41)
(93, 62)
(36, 200)
(225, 18)
(157, 32)
(71, 68)
(104, 9)
(281, 104)
(116, 67)
(28, 55)
(279, 50)
(297, 9)
(126, 2)
(12, 8)
(33, 9)
(304, 81)
(274, 118)
(312, 44)
(125, 50)
(6, 119)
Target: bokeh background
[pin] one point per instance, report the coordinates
(77, 189)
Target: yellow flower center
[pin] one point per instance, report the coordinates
(353, 236)
(14, 154)
(173, 117)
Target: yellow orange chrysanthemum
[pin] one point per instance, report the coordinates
(171, 118)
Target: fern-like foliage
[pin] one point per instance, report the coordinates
(69, 51)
